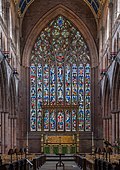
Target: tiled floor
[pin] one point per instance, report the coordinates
(52, 166)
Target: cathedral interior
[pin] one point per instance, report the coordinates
(59, 76)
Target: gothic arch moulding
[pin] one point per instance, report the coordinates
(106, 96)
(116, 87)
(12, 96)
(3, 87)
(60, 10)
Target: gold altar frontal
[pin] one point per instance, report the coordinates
(59, 144)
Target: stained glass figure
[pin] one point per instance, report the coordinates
(68, 84)
(74, 84)
(33, 97)
(81, 97)
(46, 83)
(52, 85)
(68, 120)
(87, 98)
(39, 97)
(52, 120)
(46, 120)
(74, 120)
(60, 120)
(60, 83)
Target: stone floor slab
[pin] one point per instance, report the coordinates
(52, 166)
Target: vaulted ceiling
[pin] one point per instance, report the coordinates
(94, 5)
(33, 12)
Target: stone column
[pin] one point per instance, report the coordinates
(107, 129)
(8, 24)
(93, 146)
(113, 128)
(14, 132)
(9, 132)
(3, 132)
(110, 130)
(6, 132)
(104, 129)
(117, 126)
(110, 25)
(0, 132)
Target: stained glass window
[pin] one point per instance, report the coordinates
(60, 79)
(52, 120)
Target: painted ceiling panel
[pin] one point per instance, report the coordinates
(93, 4)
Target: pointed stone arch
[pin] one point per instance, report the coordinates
(12, 89)
(116, 87)
(4, 108)
(60, 10)
(107, 117)
(41, 24)
(3, 87)
(12, 112)
(106, 96)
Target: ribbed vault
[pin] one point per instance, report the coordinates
(95, 6)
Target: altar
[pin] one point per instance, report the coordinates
(59, 144)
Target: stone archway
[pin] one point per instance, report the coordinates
(107, 121)
(3, 107)
(116, 103)
(116, 87)
(60, 10)
(12, 113)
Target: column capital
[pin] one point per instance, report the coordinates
(3, 112)
(115, 111)
(6, 112)
(12, 117)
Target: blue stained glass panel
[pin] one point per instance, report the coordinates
(33, 97)
(81, 97)
(60, 83)
(87, 98)
(68, 120)
(74, 123)
(74, 84)
(46, 84)
(39, 97)
(68, 84)
(60, 78)
(52, 85)
(52, 120)
(46, 120)
(60, 120)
